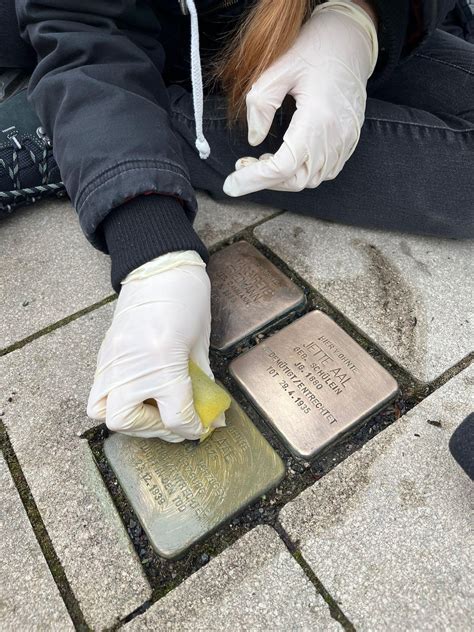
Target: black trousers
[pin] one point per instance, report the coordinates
(412, 170)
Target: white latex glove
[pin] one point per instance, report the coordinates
(326, 71)
(162, 318)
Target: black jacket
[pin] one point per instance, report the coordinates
(99, 89)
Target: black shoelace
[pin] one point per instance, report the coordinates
(9, 200)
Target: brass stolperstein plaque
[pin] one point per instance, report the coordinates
(312, 382)
(248, 292)
(182, 491)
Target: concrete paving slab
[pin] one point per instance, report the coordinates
(49, 270)
(411, 295)
(253, 585)
(29, 597)
(216, 221)
(45, 386)
(389, 531)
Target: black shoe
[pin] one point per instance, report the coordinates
(28, 171)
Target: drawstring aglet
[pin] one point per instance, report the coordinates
(196, 79)
(203, 148)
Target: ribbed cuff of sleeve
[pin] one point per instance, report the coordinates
(145, 228)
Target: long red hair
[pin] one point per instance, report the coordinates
(267, 31)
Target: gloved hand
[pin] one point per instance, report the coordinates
(162, 319)
(326, 71)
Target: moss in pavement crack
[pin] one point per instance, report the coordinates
(41, 533)
(334, 609)
(60, 323)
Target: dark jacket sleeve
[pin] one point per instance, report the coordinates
(99, 92)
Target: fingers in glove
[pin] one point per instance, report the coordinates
(263, 174)
(325, 165)
(97, 402)
(245, 162)
(342, 157)
(200, 355)
(96, 408)
(266, 174)
(297, 182)
(263, 100)
(136, 418)
(175, 401)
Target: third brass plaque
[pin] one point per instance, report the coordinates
(313, 382)
(248, 292)
(182, 491)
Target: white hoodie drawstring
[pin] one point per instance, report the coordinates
(196, 78)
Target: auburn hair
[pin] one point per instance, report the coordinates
(266, 32)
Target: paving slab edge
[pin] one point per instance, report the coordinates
(222, 243)
(19, 344)
(44, 541)
(334, 609)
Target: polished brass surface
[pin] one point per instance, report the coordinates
(312, 382)
(181, 492)
(248, 292)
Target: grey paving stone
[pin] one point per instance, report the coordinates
(216, 221)
(253, 585)
(29, 597)
(411, 295)
(389, 531)
(48, 382)
(49, 270)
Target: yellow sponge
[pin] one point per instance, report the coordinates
(210, 399)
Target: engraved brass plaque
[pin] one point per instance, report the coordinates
(248, 292)
(181, 492)
(313, 382)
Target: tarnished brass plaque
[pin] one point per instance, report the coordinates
(312, 382)
(183, 491)
(248, 292)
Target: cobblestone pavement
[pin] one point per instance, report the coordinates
(375, 534)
